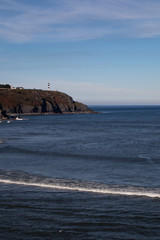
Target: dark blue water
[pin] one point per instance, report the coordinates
(81, 176)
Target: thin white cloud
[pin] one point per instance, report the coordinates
(74, 19)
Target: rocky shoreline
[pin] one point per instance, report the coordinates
(38, 102)
(3, 115)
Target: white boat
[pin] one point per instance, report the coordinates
(19, 119)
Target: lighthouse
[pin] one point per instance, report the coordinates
(48, 86)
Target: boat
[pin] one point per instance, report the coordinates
(19, 118)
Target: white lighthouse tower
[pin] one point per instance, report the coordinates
(48, 86)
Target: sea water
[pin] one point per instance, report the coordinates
(81, 176)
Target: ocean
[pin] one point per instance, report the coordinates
(81, 176)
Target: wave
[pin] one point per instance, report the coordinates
(25, 179)
(140, 159)
(80, 189)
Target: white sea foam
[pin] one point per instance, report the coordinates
(83, 189)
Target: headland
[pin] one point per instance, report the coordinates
(36, 102)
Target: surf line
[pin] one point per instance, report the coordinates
(80, 189)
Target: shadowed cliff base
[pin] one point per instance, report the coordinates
(24, 101)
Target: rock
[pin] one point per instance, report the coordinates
(3, 115)
(37, 102)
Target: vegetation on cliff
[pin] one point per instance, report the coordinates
(23, 101)
(5, 86)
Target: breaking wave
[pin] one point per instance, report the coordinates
(25, 179)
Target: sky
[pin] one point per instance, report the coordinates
(104, 52)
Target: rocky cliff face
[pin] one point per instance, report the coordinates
(38, 102)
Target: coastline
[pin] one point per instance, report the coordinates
(39, 102)
(51, 113)
(12, 117)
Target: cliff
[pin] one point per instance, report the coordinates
(39, 102)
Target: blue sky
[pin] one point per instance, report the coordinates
(97, 51)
